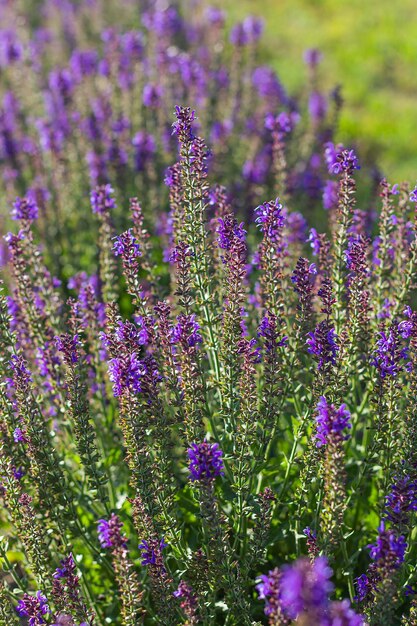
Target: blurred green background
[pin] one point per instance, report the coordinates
(370, 48)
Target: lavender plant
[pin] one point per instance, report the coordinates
(86, 98)
(217, 424)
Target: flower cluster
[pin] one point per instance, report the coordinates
(126, 374)
(126, 246)
(25, 209)
(228, 230)
(188, 600)
(390, 353)
(69, 347)
(322, 342)
(183, 126)
(186, 331)
(205, 461)
(151, 551)
(270, 218)
(176, 356)
(102, 200)
(301, 591)
(268, 330)
(340, 160)
(35, 608)
(109, 532)
(401, 499)
(330, 421)
(389, 548)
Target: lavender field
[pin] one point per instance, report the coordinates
(208, 346)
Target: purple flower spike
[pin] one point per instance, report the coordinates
(103, 530)
(390, 354)
(413, 195)
(282, 124)
(304, 275)
(145, 149)
(25, 209)
(300, 588)
(126, 374)
(389, 547)
(69, 347)
(102, 200)
(188, 600)
(126, 246)
(228, 231)
(268, 330)
(238, 37)
(330, 195)
(301, 592)
(253, 27)
(183, 126)
(305, 587)
(314, 241)
(187, 331)
(341, 614)
(355, 255)
(268, 589)
(363, 587)
(34, 608)
(20, 371)
(214, 16)
(270, 218)
(330, 421)
(330, 154)
(323, 344)
(205, 461)
(317, 106)
(401, 500)
(311, 537)
(19, 436)
(151, 551)
(109, 532)
(67, 568)
(345, 161)
(312, 57)
(152, 95)
(18, 472)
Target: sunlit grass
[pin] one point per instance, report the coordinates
(369, 48)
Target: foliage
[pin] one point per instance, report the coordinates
(216, 424)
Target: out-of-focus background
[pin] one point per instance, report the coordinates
(370, 48)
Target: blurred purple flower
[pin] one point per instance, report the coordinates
(317, 106)
(25, 209)
(330, 194)
(312, 57)
(152, 95)
(145, 149)
(102, 200)
(305, 586)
